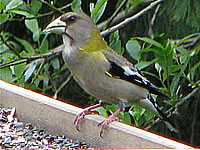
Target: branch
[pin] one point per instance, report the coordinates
(62, 85)
(49, 13)
(46, 14)
(52, 7)
(37, 72)
(9, 46)
(114, 14)
(123, 15)
(151, 23)
(48, 56)
(55, 52)
(130, 19)
(12, 63)
(188, 96)
(194, 122)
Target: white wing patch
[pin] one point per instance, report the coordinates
(129, 72)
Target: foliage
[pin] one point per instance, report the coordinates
(180, 10)
(170, 65)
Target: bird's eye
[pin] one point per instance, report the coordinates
(68, 20)
(72, 19)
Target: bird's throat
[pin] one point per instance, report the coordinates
(95, 43)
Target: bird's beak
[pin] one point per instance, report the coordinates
(57, 26)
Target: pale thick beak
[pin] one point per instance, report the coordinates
(57, 26)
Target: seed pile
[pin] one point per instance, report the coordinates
(15, 134)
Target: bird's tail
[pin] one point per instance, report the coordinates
(162, 116)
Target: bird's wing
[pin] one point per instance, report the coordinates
(123, 69)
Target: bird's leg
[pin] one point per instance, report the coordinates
(111, 118)
(86, 111)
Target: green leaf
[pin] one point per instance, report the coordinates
(192, 71)
(76, 6)
(125, 116)
(133, 48)
(150, 41)
(3, 49)
(98, 10)
(46, 67)
(36, 5)
(137, 114)
(184, 55)
(183, 59)
(19, 69)
(37, 82)
(182, 51)
(174, 68)
(13, 4)
(28, 47)
(165, 75)
(115, 42)
(30, 71)
(197, 49)
(3, 18)
(32, 25)
(6, 74)
(143, 64)
(171, 128)
(102, 111)
(46, 79)
(2, 5)
(44, 46)
(21, 12)
(134, 3)
(111, 108)
(55, 63)
(176, 78)
(164, 56)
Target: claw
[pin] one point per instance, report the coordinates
(103, 124)
(85, 112)
(82, 115)
(107, 121)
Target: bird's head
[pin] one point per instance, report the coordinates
(80, 29)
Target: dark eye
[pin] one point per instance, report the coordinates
(68, 20)
(72, 19)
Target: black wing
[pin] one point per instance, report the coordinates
(133, 76)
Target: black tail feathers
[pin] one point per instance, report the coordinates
(166, 120)
(162, 116)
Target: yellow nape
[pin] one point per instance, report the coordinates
(95, 43)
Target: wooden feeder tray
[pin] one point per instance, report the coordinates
(57, 118)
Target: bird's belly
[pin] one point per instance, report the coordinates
(110, 89)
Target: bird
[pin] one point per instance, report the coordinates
(100, 70)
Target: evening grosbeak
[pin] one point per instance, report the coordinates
(99, 70)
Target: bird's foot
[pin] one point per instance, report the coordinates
(105, 122)
(108, 120)
(85, 112)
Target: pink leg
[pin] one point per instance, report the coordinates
(86, 111)
(108, 120)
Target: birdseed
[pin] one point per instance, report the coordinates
(18, 135)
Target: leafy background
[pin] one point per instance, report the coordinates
(163, 43)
